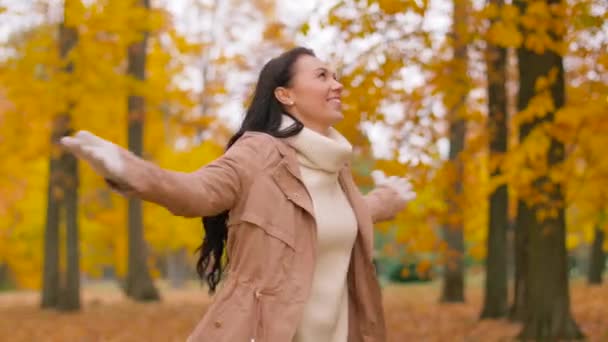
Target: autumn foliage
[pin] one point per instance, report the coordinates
(411, 70)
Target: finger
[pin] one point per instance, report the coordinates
(94, 158)
(93, 154)
(398, 182)
(68, 141)
(404, 184)
(402, 187)
(404, 181)
(377, 176)
(72, 145)
(409, 195)
(89, 138)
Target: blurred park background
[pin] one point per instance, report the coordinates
(497, 110)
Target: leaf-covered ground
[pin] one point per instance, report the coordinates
(413, 314)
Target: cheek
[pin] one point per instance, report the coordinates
(314, 96)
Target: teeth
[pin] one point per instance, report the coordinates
(337, 103)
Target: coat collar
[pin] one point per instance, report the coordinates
(291, 160)
(316, 151)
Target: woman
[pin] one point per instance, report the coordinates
(298, 233)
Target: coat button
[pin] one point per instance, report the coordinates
(217, 324)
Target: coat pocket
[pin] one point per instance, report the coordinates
(273, 227)
(267, 210)
(262, 248)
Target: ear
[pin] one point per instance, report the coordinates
(284, 96)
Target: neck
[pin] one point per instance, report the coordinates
(313, 126)
(321, 129)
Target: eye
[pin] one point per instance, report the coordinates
(323, 74)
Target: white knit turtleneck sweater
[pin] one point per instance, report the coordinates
(325, 316)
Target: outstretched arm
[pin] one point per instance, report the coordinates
(388, 198)
(207, 191)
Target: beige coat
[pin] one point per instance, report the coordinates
(271, 238)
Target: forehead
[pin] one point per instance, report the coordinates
(308, 63)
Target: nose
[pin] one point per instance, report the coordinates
(336, 85)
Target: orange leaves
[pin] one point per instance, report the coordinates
(96, 92)
(305, 28)
(74, 13)
(505, 35)
(542, 23)
(569, 29)
(183, 44)
(392, 167)
(392, 7)
(22, 220)
(503, 30)
(274, 31)
(545, 26)
(412, 314)
(536, 16)
(539, 106)
(423, 267)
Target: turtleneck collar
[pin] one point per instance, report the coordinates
(316, 151)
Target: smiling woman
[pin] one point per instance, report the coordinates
(282, 201)
(314, 95)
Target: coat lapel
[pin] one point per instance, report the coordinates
(366, 312)
(365, 225)
(289, 179)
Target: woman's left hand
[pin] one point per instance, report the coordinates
(390, 196)
(401, 185)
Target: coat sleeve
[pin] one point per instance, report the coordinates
(384, 203)
(207, 191)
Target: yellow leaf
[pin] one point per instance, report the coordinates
(572, 241)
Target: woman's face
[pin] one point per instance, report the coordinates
(314, 95)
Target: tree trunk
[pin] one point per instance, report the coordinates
(547, 313)
(597, 259)
(495, 300)
(70, 292)
(139, 285)
(56, 193)
(522, 224)
(50, 272)
(70, 298)
(5, 282)
(453, 274)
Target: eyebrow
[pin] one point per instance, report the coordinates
(327, 70)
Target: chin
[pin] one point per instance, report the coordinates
(335, 117)
(338, 120)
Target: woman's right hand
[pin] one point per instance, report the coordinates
(103, 155)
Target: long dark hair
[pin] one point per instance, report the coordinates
(263, 115)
